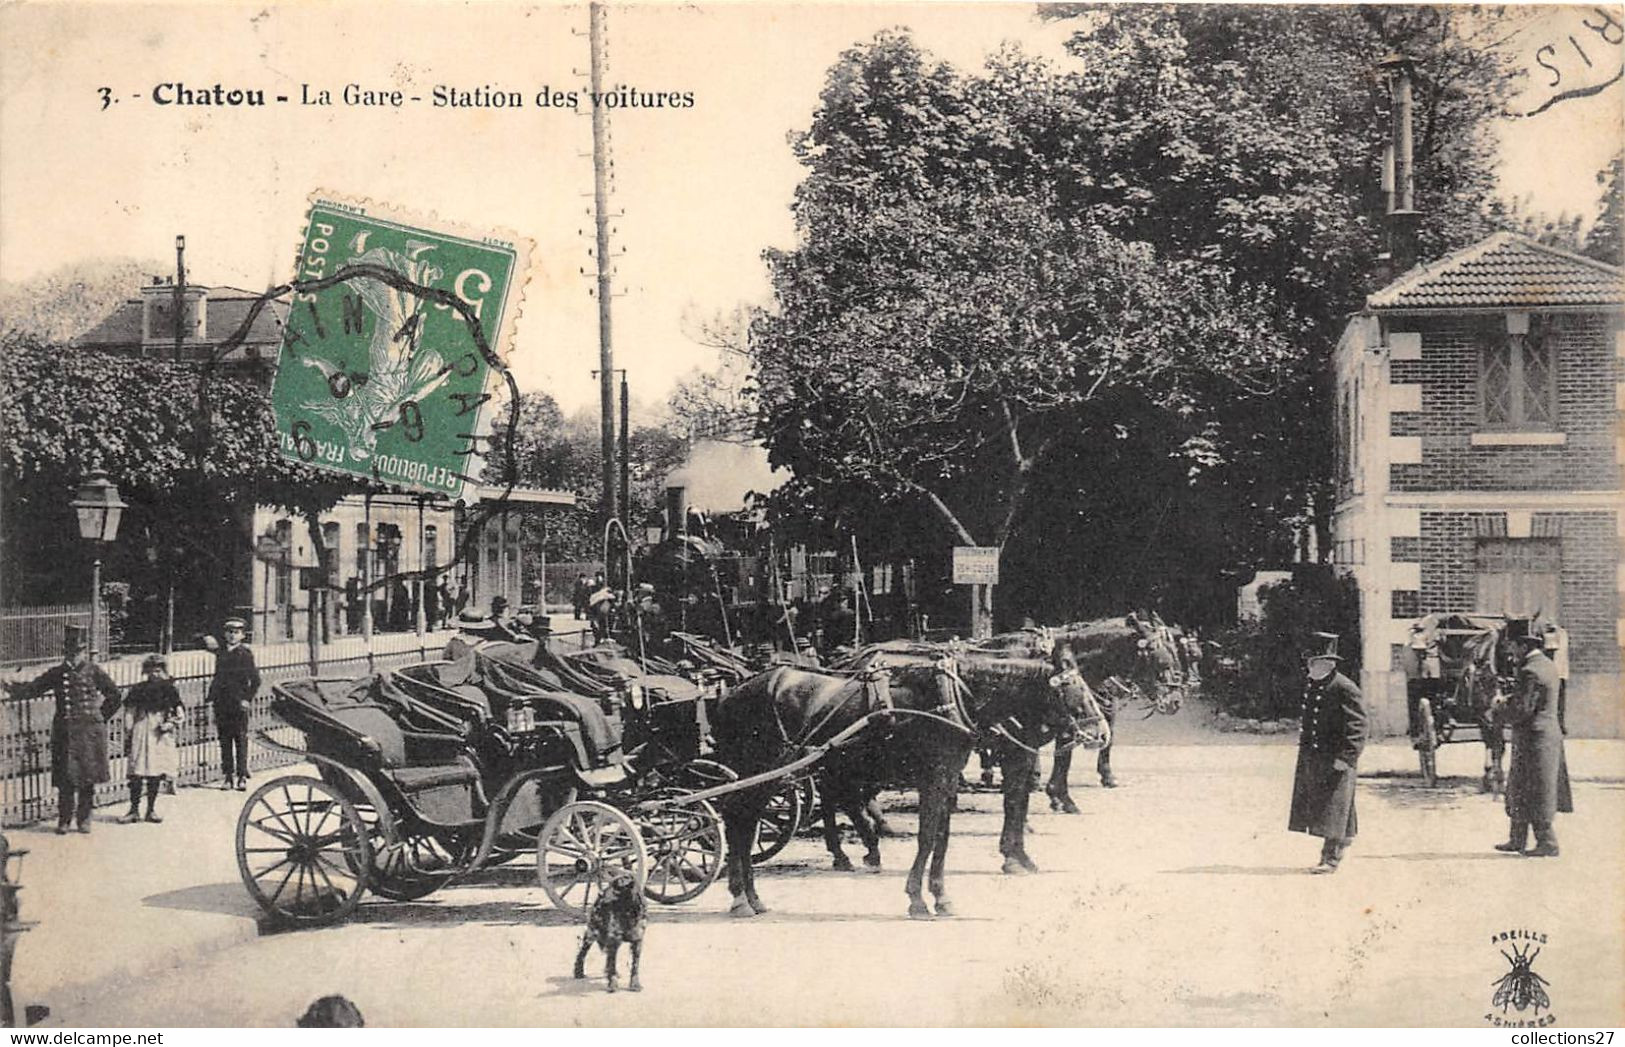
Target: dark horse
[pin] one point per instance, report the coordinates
(1119, 658)
(913, 722)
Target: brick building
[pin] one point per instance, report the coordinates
(372, 538)
(1479, 449)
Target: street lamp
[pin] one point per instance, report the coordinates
(99, 509)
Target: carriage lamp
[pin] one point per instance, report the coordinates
(99, 509)
(654, 526)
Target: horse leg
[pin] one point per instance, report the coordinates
(866, 820)
(739, 824)
(833, 794)
(1058, 790)
(1103, 762)
(933, 805)
(939, 848)
(1012, 836)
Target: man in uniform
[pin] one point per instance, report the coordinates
(231, 695)
(1538, 781)
(1330, 740)
(85, 697)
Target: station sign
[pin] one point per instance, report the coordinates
(976, 565)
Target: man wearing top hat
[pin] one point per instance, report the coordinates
(231, 694)
(1538, 780)
(1330, 740)
(85, 697)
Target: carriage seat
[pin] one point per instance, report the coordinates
(414, 759)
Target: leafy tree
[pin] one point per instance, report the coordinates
(1158, 245)
(1606, 238)
(190, 479)
(552, 450)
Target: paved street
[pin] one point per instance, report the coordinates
(1178, 899)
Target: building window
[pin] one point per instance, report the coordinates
(1519, 380)
(1520, 576)
(330, 543)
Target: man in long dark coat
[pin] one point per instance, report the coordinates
(85, 697)
(1330, 741)
(1538, 781)
(231, 694)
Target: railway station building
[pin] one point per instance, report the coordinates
(373, 537)
(1478, 461)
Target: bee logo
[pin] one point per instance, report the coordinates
(1521, 987)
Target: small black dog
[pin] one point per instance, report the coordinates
(619, 915)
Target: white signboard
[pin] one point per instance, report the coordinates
(976, 565)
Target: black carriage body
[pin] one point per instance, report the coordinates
(1456, 666)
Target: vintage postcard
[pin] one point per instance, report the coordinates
(812, 514)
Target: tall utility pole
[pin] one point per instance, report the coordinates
(626, 452)
(600, 195)
(180, 293)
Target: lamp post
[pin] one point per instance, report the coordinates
(99, 509)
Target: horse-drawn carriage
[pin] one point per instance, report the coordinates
(429, 773)
(1456, 665)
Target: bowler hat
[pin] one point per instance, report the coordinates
(75, 638)
(1533, 638)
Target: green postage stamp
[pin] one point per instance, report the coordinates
(389, 344)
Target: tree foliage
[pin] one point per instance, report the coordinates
(1002, 275)
(566, 453)
(190, 477)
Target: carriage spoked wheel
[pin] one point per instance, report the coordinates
(300, 844)
(686, 850)
(779, 821)
(1427, 743)
(580, 847)
(413, 868)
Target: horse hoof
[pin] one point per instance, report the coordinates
(919, 911)
(1012, 867)
(756, 904)
(842, 864)
(741, 909)
(634, 986)
(944, 907)
(872, 860)
(611, 986)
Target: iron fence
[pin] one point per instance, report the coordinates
(26, 793)
(35, 633)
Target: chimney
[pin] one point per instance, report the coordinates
(1399, 169)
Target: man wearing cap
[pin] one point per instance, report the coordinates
(1538, 780)
(1330, 741)
(231, 694)
(85, 697)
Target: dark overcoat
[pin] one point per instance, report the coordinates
(236, 681)
(85, 697)
(1538, 780)
(1330, 741)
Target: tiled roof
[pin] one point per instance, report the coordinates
(228, 307)
(1505, 271)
